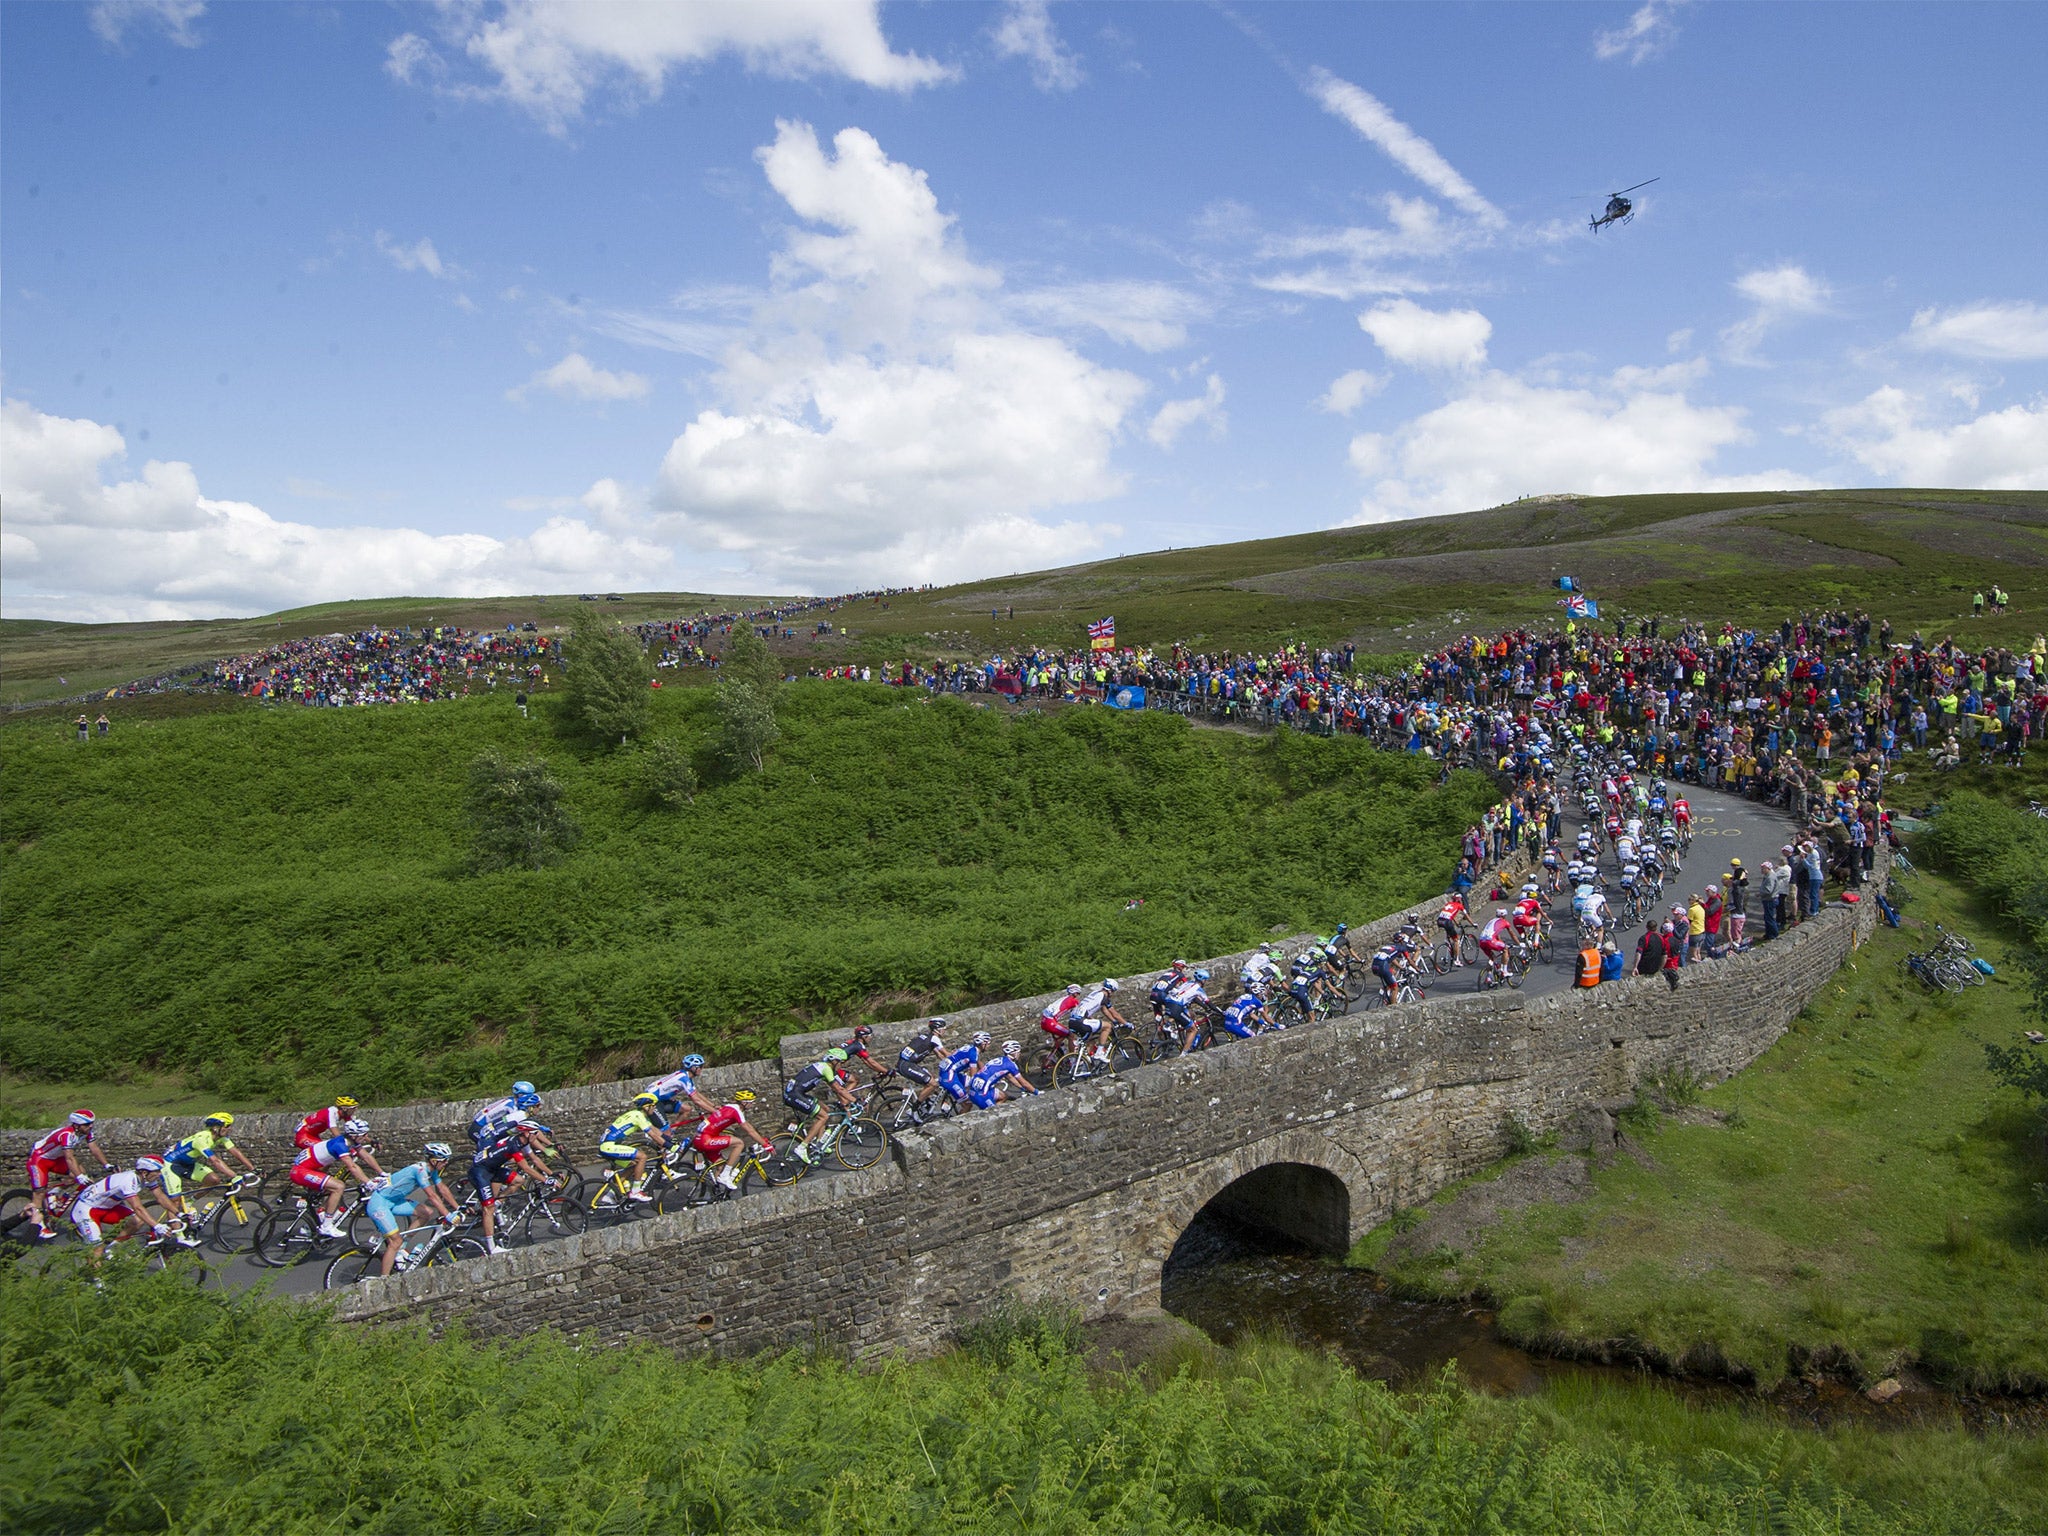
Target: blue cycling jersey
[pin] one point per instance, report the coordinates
(963, 1061)
(982, 1090)
(408, 1182)
(1239, 1013)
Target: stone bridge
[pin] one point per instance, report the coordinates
(1080, 1195)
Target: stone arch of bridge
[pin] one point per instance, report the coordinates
(1302, 1183)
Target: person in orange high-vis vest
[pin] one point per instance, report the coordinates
(1589, 967)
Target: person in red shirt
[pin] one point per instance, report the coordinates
(54, 1156)
(323, 1124)
(715, 1142)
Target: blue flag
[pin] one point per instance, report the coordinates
(1125, 698)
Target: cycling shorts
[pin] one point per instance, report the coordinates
(1241, 1030)
(500, 1170)
(1384, 969)
(95, 1221)
(1493, 946)
(1056, 1029)
(712, 1145)
(310, 1176)
(1526, 924)
(955, 1084)
(985, 1098)
(387, 1214)
(617, 1151)
(42, 1174)
(913, 1074)
(802, 1103)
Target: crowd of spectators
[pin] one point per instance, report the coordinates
(389, 666)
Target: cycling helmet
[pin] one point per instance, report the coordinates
(863, 1031)
(982, 1037)
(149, 1167)
(1073, 989)
(1201, 975)
(646, 1098)
(437, 1151)
(527, 1101)
(1343, 928)
(1268, 947)
(522, 1087)
(82, 1118)
(693, 1062)
(541, 1130)
(1109, 984)
(1500, 911)
(344, 1102)
(1180, 965)
(220, 1119)
(744, 1096)
(936, 1025)
(1011, 1048)
(835, 1054)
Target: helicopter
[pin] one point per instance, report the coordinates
(1619, 209)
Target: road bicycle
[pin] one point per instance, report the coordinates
(437, 1243)
(851, 1138)
(16, 1224)
(228, 1214)
(695, 1179)
(1441, 955)
(291, 1234)
(1120, 1051)
(1507, 971)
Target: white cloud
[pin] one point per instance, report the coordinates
(1777, 294)
(881, 419)
(578, 378)
(1649, 31)
(1368, 256)
(420, 256)
(1026, 32)
(1888, 432)
(2016, 331)
(77, 545)
(1403, 145)
(1348, 391)
(551, 56)
(111, 19)
(1501, 437)
(1152, 317)
(1176, 416)
(1428, 338)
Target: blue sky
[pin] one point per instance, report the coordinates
(312, 301)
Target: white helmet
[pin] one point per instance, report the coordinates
(1073, 989)
(1011, 1048)
(355, 1128)
(1109, 984)
(982, 1037)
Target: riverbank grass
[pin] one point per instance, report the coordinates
(1867, 1201)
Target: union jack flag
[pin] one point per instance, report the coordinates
(1102, 629)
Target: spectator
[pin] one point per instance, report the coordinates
(1674, 952)
(84, 729)
(1613, 965)
(1650, 952)
(1695, 928)
(1713, 908)
(1738, 902)
(102, 723)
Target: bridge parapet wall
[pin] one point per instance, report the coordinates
(1080, 1194)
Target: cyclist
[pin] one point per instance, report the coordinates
(921, 1047)
(1261, 970)
(1553, 864)
(803, 1093)
(1681, 819)
(1493, 943)
(394, 1204)
(1054, 1019)
(1181, 1001)
(961, 1066)
(1451, 919)
(324, 1124)
(680, 1086)
(1590, 907)
(1162, 989)
(501, 1160)
(857, 1045)
(490, 1122)
(103, 1209)
(55, 1155)
(1092, 1013)
(616, 1146)
(203, 1155)
(719, 1147)
(990, 1086)
(1387, 966)
(1342, 938)
(1528, 917)
(1247, 1016)
(346, 1152)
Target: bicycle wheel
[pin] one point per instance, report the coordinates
(348, 1267)
(1125, 1053)
(554, 1216)
(692, 1188)
(885, 1101)
(1546, 948)
(1359, 982)
(609, 1205)
(232, 1225)
(459, 1250)
(1468, 948)
(179, 1261)
(1071, 1068)
(861, 1143)
(1440, 958)
(14, 1210)
(282, 1237)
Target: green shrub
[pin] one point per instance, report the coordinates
(605, 674)
(746, 725)
(669, 781)
(516, 816)
(1043, 1329)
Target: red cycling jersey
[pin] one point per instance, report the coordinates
(711, 1138)
(318, 1126)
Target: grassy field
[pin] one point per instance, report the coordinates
(216, 1415)
(1871, 1200)
(265, 903)
(1914, 555)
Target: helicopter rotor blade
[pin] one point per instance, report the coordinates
(1638, 184)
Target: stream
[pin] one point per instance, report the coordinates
(1228, 1279)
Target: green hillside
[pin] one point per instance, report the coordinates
(265, 902)
(1915, 555)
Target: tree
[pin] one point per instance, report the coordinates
(667, 777)
(516, 817)
(747, 659)
(746, 725)
(607, 680)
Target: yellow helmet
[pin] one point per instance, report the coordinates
(344, 1102)
(220, 1118)
(744, 1096)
